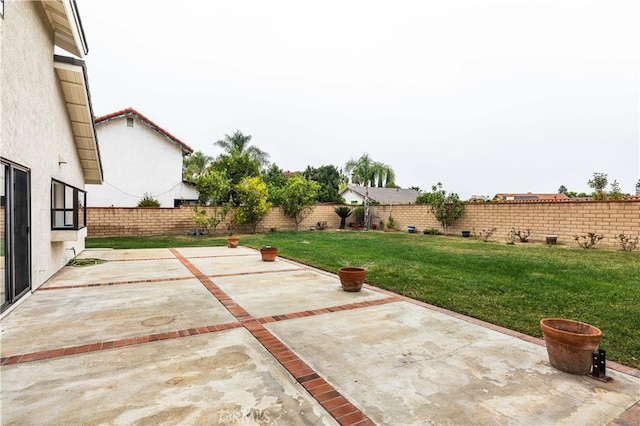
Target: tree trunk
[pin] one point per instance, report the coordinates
(366, 207)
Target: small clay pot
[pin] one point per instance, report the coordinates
(551, 239)
(232, 242)
(268, 253)
(352, 278)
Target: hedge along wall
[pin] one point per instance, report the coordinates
(562, 218)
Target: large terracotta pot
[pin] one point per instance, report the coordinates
(351, 278)
(570, 344)
(232, 242)
(268, 253)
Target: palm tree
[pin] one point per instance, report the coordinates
(194, 165)
(239, 143)
(364, 171)
(385, 175)
(344, 212)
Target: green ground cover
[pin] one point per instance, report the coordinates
(513, 286)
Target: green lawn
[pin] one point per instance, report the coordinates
(512, 286)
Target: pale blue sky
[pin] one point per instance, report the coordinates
(484, 96)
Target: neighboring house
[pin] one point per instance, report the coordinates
(48, 145)
(354, 194)
(529, 196)
(139, 157)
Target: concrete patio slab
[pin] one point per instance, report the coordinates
(80, 316)
(216, 251)
(277, 293)
(236, 264)
(216, 336)
(403, 364)
(221, 378)
(119, 271)
(137, 254)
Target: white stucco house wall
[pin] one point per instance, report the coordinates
(139, 157)
(48, 145)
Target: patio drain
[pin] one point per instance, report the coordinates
(156, 321)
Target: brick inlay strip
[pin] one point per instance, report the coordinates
(152, 280)
(127, 341)
(338, 406)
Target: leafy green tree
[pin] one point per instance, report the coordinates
(194, 165)
(299, 198)
(446, 207)
(344, 212)
(330, 179)
(213, 188)
(615, 193)
(253, 201)
(275, 179)
(365, 171)
(598, 183)
(236, 166)
(424, 198)
(563, 190)
(241, 143)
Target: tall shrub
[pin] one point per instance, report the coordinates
(446, 207)
(253, 204)
(299, 198)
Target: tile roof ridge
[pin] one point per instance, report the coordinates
(142, 117)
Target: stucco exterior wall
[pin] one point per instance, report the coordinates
(36, 128)
(137, 160)
(352, 197)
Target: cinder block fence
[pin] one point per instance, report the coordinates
(562, 218)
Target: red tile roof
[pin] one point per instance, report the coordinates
(130, 111)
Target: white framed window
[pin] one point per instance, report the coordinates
(67, 206)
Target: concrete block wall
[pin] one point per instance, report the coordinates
(562, 218)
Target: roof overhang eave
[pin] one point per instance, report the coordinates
(67, 27)
(71, 74)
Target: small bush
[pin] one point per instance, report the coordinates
(522, 234)
(511, 237)
(148, 201)
(587, 241)
(431, 231)
(358, 216)
(321, 226)
(485, 234)
(391, 224)
(626, 242)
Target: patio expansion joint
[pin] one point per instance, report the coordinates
(341, 409)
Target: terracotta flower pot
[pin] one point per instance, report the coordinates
(232, 242)
(268, 253)
(352, 279)
(551, 239)
(570, 344)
